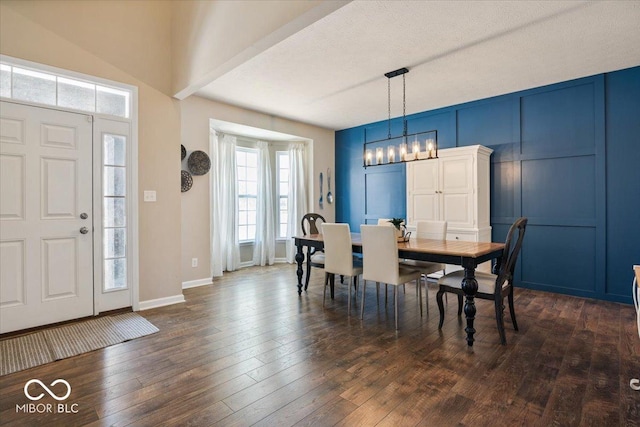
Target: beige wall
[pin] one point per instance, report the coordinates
(134, 36)
(159, 117)
(195, 115)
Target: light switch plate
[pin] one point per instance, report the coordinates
(149, 195)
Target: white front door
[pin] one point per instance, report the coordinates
(46, 218)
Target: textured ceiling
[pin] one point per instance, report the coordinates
(331, 73)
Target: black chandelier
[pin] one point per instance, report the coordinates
(403, 148)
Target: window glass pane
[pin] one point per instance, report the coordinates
(114, 181)
(242, 173)
(242, 187)
(283, 230)
(251, 232)
(283, 203)
(112, 101)
(284, 175)
(242, 232)
(251, 217)
(114, 242)
(5, 81)
(115, 273)
(115, 150)
(252, 204)
(76, 94)
(33, 86)
(252, 174)
(252, 160)
(242, 204)
(284, 217)
(284, 189)
(242, 217)
(241, 158)
(252, 188)
(114, 212)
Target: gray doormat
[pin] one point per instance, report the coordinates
(48, 345)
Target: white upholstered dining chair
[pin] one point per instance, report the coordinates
(380, 262)
(339, 258)
(427, 230)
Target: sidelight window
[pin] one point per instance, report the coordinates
(114, 211)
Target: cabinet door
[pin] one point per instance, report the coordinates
(456, 184)
(423, 198)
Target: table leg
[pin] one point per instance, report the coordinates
(470, 287)
(299, 261)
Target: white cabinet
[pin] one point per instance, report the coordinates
(454, 188)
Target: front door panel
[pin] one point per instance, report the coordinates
(46, 183)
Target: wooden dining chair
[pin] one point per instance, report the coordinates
(380, 262)
(339, 258)
(490, 286)
(311, 224)
(427, 230)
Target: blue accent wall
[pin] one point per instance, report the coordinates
(567, 156)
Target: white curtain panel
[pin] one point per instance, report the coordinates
(297, 204)
(264, 248)
(225, 247)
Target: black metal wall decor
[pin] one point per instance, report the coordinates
(187, 181)
(183, 152)
(199, 163)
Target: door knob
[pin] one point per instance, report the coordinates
(84, 230)
(84, 215)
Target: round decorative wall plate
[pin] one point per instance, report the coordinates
(199, 163)
(187, 181)
(183, 152)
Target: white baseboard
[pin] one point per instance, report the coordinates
(251, 264)
(160, 302)
(196, 283)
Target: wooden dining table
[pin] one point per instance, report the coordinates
(457, 252)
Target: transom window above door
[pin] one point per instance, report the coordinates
(24, 84)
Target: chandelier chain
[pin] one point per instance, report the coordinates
(404, 107)
(389, 105)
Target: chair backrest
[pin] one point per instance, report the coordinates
(310, 223)
(379, 253)
(338, 252)
(511, 251)
(384, 221)
(431, 230)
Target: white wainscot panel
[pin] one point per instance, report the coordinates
(12, 130)
(58, 136)
(12, 263)
(12, 187)
(59, 188)
(59, 268)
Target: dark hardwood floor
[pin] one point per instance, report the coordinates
(249, 351)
